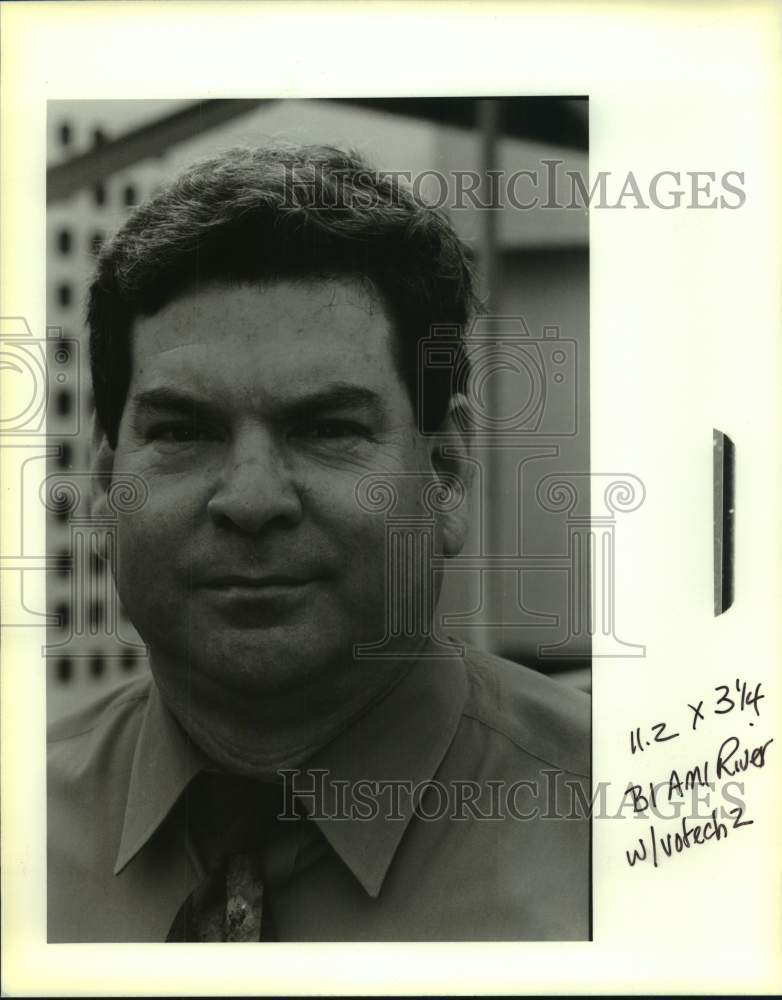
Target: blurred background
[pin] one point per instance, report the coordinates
(522, 589)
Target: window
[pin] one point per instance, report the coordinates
(63, 612)
(129, 195)
(96, 616)
(65, 134)
(129, 662)
(63, 562)
(62, 351)
(97, 565)
(64, 241)
(63, 403)
(99, 193)
(97, 665)
(96, 242)
(65, 458)
(64, 669)
(64, 294)
(98, 136)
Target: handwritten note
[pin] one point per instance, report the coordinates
(730, 758)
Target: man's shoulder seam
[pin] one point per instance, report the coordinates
(519, 745)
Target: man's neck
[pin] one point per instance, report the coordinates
(258, 736)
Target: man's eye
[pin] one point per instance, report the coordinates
(180, 433)
(331, 430)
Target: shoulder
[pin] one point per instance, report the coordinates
(102, 730)
(90, 759)
(542, 717)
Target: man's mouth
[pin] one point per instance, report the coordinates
(236, 581)
(255, 601)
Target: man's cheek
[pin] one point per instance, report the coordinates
(370, 560)
(145, 550)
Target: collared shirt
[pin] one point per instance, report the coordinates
(456, 808)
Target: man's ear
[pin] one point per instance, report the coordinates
(101, 470)
(451, 457)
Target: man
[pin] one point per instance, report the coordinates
(298, 767)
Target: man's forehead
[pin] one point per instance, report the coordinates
(276, 315)
(345, 300)
(282, 340)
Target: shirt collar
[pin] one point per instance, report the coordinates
(402, 737)
(164, 763)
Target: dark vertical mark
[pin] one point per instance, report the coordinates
(724, 520)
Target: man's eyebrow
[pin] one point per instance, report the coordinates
(335, 395)
(173, 401)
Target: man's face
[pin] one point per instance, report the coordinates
(252, 413)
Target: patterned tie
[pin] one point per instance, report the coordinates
(228, 816)
(226, 906)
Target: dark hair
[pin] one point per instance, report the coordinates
(274, 213)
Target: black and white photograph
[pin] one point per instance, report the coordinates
(389, 534)
(321, 662)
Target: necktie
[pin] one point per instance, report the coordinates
(230, 819)
(227, 906)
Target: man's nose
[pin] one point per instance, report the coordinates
(256, 487)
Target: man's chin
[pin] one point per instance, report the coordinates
(261, 662)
